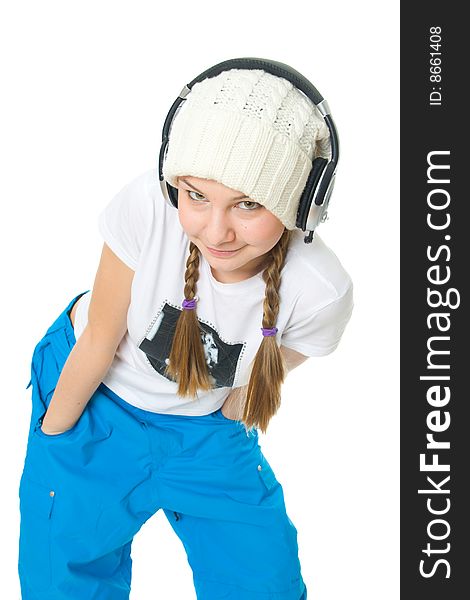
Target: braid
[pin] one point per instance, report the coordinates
(268, 373)
(187, 360)
(191, 274)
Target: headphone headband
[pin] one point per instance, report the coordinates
(314, 201)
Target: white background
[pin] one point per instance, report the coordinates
(86, 88)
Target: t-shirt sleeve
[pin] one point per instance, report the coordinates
(318, 332)
(125, 220)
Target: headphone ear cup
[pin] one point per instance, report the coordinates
(318, 166)
(172, 194)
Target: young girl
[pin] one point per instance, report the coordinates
(149, 390)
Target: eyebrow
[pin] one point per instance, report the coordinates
(199, 192)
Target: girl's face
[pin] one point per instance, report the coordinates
(232, 232)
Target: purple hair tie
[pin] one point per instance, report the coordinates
(269, 331)
(189, 304)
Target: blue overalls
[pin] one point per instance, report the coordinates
(86, 492)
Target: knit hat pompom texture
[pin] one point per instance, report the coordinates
(253, 132)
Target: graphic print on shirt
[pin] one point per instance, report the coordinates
(221, 357)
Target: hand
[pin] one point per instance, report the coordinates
(51, 432)
(45, 427)
(228, 412)
(233, 406)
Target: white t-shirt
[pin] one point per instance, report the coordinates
(144, 231)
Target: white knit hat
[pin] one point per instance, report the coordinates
(251, 131)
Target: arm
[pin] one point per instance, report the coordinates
(92, 355)
(292, 357)
(235, 401)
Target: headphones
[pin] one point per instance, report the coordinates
(313, 204)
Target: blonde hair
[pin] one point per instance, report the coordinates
(187, 362)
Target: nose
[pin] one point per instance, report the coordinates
(219, 229)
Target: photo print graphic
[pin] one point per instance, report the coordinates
(221, 357)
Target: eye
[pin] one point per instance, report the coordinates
(191, 192)
(254, 205)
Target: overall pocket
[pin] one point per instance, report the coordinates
(36, 509)
(48, 360)
(38, 431)
(266, 473)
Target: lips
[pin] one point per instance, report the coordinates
(222, 252)
(216, 250)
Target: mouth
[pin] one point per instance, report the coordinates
(222, 253)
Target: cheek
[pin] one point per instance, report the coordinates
(264, 233)
(186, 216)
(183, 217)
